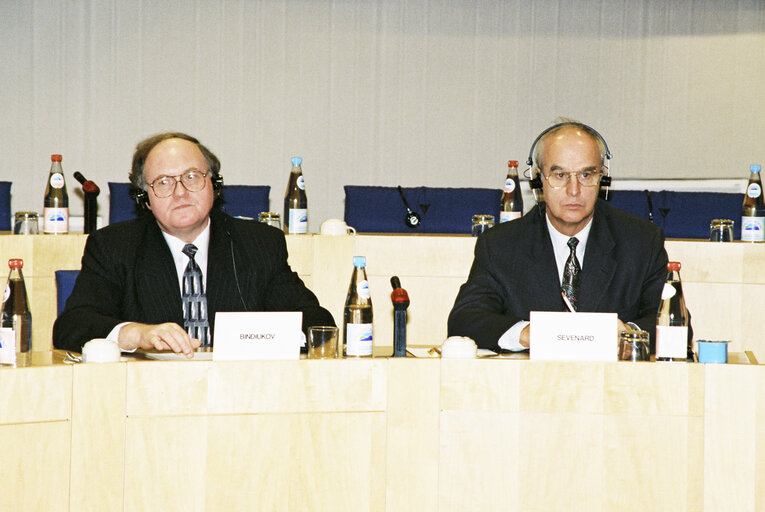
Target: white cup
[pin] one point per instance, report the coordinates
(100, 351)
(336, 227)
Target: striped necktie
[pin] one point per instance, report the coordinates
(194, 300)
(570, 284)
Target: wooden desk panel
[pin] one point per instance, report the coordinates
(385, 434)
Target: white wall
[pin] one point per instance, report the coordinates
(386, 92)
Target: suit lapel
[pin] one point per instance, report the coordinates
(543, 270)
(599, 265)
(220, 270)
(156, 278)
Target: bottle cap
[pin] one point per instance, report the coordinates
(360, 261)
(673, 266)
(55, 158)
(512, 163)
(754, 168)
(15, 263)
(296, 160)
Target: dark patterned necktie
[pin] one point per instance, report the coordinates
(194, 299)
(570, 284)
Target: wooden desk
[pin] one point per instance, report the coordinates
(383, 434)
(724, 283)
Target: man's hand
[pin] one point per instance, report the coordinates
(525, 337)
(167, 336)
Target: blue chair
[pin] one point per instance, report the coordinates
(245, 200)
(442, 210)
(5, 206)
(681, 214)
(236, 200)
(64, 284)
(121, 205)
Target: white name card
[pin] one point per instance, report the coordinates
(257, 335)
(562, 336)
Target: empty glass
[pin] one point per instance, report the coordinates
(25, 223)
(481, 223)
(271, 218)
(633, 346)
(721, 230)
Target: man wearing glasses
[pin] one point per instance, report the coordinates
(573, 247)
(156, 282)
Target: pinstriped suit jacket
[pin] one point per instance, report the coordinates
(128, 275)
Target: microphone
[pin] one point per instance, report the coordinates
(412, 219)
(89, 218)
(88, 186)
(400, 300)
(650, 204)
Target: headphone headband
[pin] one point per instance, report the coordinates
(530, 160)
(535, 181)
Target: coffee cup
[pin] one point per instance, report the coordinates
(336, 227)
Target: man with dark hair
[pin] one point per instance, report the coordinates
(142, 280)
(574, 244)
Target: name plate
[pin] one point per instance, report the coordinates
(257, 335)
(561, 336)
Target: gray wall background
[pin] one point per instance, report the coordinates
(385, 92)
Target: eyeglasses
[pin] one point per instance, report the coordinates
(558, 180)
(192, 180)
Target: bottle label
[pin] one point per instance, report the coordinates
(358, 339)
(753, 190)
(362, 288)
(509, 185)
(672, 341)
(508, 216)
(753, 229)
(7, 346)
(57, 180)
(298, 220)
(56, 220)
(301, 182)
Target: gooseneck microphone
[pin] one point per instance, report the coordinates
(400, 300)
(650, 204)
(412, 219)
(90, 219)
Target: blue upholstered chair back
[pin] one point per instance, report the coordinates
(237, 200)
(6, 216)
(442, 210)
(121, 205)
(682, 214)
(64, 284)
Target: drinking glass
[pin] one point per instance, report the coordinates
(271, 218)
(322, 342)
(481, 223)
(721, 230)
(633, 346)
(25, 223)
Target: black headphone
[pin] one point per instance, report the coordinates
(141, 197)
(535, 180)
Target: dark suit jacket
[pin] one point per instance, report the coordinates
(128, 275)
(514, 272)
